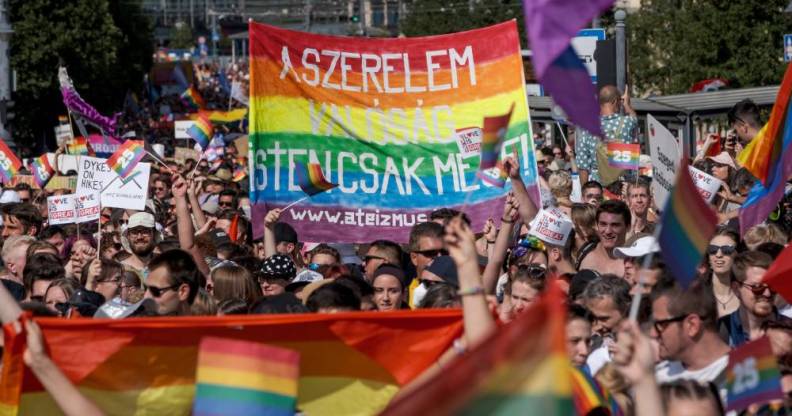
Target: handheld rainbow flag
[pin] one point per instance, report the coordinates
(495, 128)
(588, 395)
(42, 170)
(499, 180)
(80, 146)
(769, 158)
(9, 163)
(239, 173)
(192, 98)
(311, 179)
(124, 160)
(201, 131)
(624, 155)
(522, 368)
(752, 376)
(245, 378)
(687, 225)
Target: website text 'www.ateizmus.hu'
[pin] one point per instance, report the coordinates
(359, 217)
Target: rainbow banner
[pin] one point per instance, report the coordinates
(752, 376)
(9, 163)
(381, 117)
(348, 364)
(311, 179)
(624, 156)
(124, 160)
(42, 170)
(245, 378)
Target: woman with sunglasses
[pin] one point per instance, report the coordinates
(720, 257)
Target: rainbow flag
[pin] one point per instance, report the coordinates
(239, 173)
(148, 365)
(521, 369)
(589, 395)
(9, 163)
(124, 160)
(42, 170)
(769, 158)
(192, 98)
(80, 146)
(245, 378)
(389, 135)
(201, 131)
(216, 116)
(624, 155)
(752, 376)
(499, 180)
(492, 138)
(687, 225)
(311, 179)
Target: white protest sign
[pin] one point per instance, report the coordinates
(61, 209)
(63, 134)
(665, 152)
(87, 207)
(180, 128)
(707, 185)
(469, 141)
(551, 228)
(94, 175)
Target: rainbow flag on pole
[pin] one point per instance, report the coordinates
(124, 160)
(9, 163)
(492, 138)
(80, 146)
(624, 156)
(201, 131)
(245, 378)
(311, 179)
(42, 170)
(687, 225)
(192, 98)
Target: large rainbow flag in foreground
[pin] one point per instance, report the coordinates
(380, 116)
(350, 363)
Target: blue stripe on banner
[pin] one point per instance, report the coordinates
(215, 406)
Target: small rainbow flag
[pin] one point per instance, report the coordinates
(9, 163)
(201, 131)
(688, 223)
(624, 155)
(124, 160)
(589, 395)
(752, 376)
(245, 378)
(192, 98)
(499, 180)
(80, 146)
(492, 134)
(239, 173)
(311, 179)
(42, 170)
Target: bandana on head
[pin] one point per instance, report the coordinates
(279, 266)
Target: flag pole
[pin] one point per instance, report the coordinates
(158, 160)
(200, 158)
(295, 203)
(636, 300)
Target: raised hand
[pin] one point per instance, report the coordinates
(272, 217)
(460, 241)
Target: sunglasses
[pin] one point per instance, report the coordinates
(533, 269)
(367, 259)
(225, 204)
(660, 325)
(158, 291)
(726, 250)
(432, 253)
(758, 289)
(159, 188)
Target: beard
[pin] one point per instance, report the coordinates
(141, 250)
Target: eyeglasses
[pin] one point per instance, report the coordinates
(757, 289)
(367, 259)
(660, 325)
(158, 291)
(432, 253)
(159, 188)
(139, 231)
(225, 204)
(726, 250)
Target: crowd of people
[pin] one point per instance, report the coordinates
(192, 252)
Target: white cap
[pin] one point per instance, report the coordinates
(9, 196)
(638, 248)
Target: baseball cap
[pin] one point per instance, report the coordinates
(9, 196)
(444, 267)
(724, 159)
(305, 278)
(639, 248)
(279, 266)
(141, 219)
(223, 174)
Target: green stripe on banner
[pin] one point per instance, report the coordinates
(235, 394)
(503, 404)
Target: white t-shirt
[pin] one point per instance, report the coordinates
(669, 371)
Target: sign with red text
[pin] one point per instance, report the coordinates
(469, 141)
(707, 185)
(87, 207)
(61, 209)
(552, 227)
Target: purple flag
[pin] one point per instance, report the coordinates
(551, 24)
(75, 104)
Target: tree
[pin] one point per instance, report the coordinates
(83, 36)
(182, 36)
(676, 43)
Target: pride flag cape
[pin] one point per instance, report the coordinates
(311, 179)
(624, 155)
(124, 160)
(9, 163)
(42, 170)
(769, 158)
(201, 131)
(383, 125)
(521, 369)
(245, 378)
(687, 225)
(350, 363)
(193, 99)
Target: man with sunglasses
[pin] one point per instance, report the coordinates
(426, 243)
(756, 299)
(380, 252)
(173, 282)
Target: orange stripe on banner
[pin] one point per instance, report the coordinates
(241, 363)
(496, 77)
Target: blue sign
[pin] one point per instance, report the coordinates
(787, 47)
(585, 43)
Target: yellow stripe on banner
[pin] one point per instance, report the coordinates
(343, 396)
(8, 409)
(246, 379)
(428, 124)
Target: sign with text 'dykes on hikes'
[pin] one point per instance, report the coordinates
(95, 176)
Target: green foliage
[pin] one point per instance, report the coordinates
(676, 43)
(104, 51)
(182, 37)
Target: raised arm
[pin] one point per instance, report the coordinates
(528, 209)
(195, 205)
(508, 220)
(634, 359)
(184, 222)
(270, 220)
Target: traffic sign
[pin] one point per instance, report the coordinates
(788, 47)
(585, 43)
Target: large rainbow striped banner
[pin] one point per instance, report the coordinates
(380, 116)
(350, 363)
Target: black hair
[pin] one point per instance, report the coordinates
(746, 111)
(333, 295)
(51, 231)
(27, 214)
(181, 270)
(446, 214)
(613, 206)
(592, 184)
(42, 266)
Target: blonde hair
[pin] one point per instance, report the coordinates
(611, 379)
(560, 184)
(584, 217)
(234, 282)
(764, 233)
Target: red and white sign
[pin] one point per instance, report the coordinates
(707, 185)
(61, 209)
(87, 207)
(551, 226)
(469, 141)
